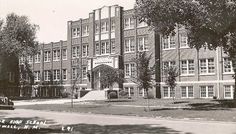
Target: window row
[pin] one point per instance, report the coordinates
(169, 42)
(188, 92)
(51, 75)
(77, 31)
(76, 73)
(104, 27)
(104, 48)
(129, 23)
(129, 44)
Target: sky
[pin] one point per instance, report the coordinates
(52, 15)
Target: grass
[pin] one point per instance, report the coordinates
(179, 109)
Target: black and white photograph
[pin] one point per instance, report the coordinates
(117, 66)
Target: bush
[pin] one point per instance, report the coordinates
(123, 93)
(150, 95)
(65, 94)
(112, 95)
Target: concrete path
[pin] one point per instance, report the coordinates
(124, 124)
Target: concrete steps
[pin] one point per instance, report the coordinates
(95, 95)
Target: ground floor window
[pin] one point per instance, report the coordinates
(168, 93)
(130, 91)
(141, 92)
(187, 91)
(206, 91)
(228, 91)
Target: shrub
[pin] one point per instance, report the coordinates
(112, 95)
(123, 93)
(150, 95)
(65, 94)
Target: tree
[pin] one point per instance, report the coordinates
(209, 23)
(75, 79)
(144, 77)
(109, 76)
(171, 74)
(17, 39)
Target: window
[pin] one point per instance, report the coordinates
(206, 91)
(169, 42)
(75, 52)
(64, 54)
(84, 72)
(143, 44)
(56, 75)
(113, 47)
(105, 48)
(228, 91)
(11, 76)
(104, 27)
(187, 67)
(85, 31)
(56, 55)
(167, 93)
(36, 75)
(74, 73)
(97, 48)
(128, 23)
(47, 75)
(129, 70)
(207, 66)
(142, 24)
(129, 45)
(75, 32)
(112, 25)
(228, 66)
(96, 28)
(187, 91)
(85, 50)
(129, 90)
(183, 41)
(47, 56)
(64, 74)
(37, 57)
(168, 64)
(30, 59)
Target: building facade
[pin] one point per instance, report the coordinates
(112, 36)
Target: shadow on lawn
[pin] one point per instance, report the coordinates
(106, 129)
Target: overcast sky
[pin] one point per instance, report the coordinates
(52, 15)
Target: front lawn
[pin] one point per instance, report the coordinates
(196, 109)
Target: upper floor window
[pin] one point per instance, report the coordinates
(47, 56)
(183, 41)
(64, 54)
(129, 45)
(143, 44)
(168, 64)
(85, 30)
(64, 74)
(169, 42)
(56, 55)
(30, 59)
(75, 32)
(84, 72)
(113, 25)
(228, 66)
(187, 67)
(85, 50)
(96, 28)
(97, 48)
(74, 73)
(113, 47)
(75, 52)
(56, 75)
(207, 66)
(47, 75)
(129, 70)
(129, 23)
(105, 48)
(104, 27)
(37, 57)
(36, 75)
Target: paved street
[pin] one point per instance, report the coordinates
(122, 124)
